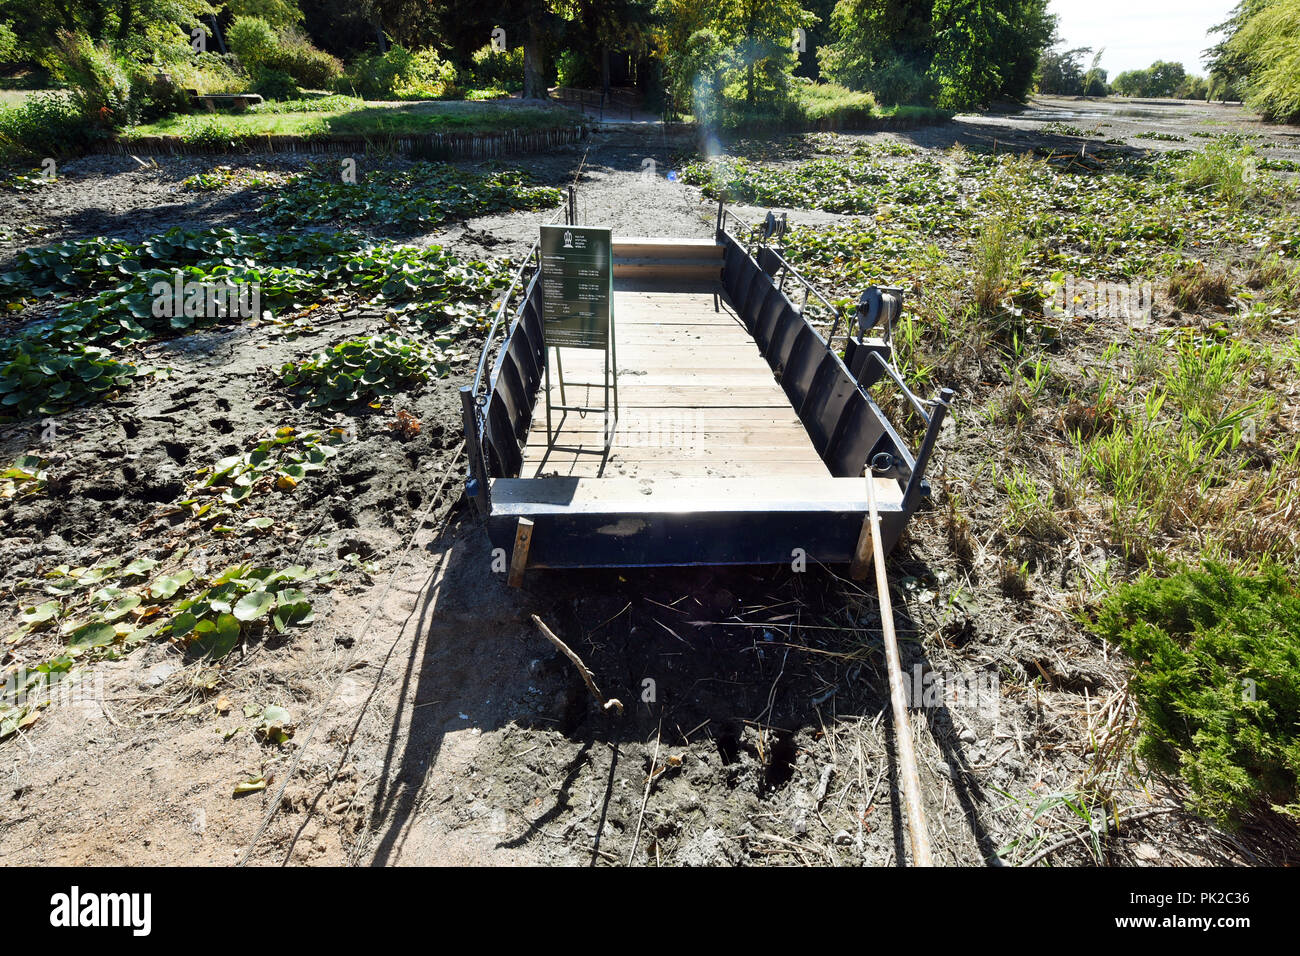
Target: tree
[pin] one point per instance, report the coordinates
(1161, 78)
(738, 48)
(595, 28)
(1060, 73)
(130, 25)
(1262, 56)
(957, 53)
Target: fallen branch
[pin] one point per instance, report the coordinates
(613, 703)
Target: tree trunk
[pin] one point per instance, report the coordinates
(534, 81)
(604, 70)
(124, 20)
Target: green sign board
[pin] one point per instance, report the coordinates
(577, 286)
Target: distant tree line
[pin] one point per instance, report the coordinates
(1061, 73)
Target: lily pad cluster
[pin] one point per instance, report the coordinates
(423, 195)
(75, 356)
(277, 463)
(26, 476)
(107, 609)
(363, 368)
(226, 177)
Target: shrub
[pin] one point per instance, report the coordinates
(48, 124)
(400, 73)
(253, 41)
(208, 72)
(376, 75)
(428, 76)
(898, 82)
(275, 85)
(1217, 681)
(490, 69)
(155, 94)
(309, 67)
(100, 85)
(573, 69)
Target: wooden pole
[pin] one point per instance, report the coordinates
(916, 825)
(519, 557)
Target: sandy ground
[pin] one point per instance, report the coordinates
(433, 724)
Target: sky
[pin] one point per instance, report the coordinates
(1136, 33)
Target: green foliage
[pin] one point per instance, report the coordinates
(822, 104)
(275, 85)
(212, 134)
(1161, 78)
(65, 360)
(47, 124)
(9, 43)
(943, 52)
(107, 610)
(313, 104)
(277, 13)
(277, 464)
(492, 69)
(423, 195)
(363, 369)
(38, 379)
(1062, 73)
(1217, 681)
(309, 67)
(224, 177)
(572, 69)
(100, 85)
(1267, 49)
(1223, 168)
(26, 476)
(261, 48)
(252, 40)
(399, 73)
(732, 57)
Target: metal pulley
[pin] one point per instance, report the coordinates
(773, 228)
(877, 304)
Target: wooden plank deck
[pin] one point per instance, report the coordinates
(696, 399)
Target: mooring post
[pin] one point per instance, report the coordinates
(519, 557)
(862, 553)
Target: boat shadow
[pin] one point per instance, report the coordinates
(751, 665)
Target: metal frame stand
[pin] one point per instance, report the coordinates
(610, 385)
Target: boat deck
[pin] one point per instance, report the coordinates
(696, 398)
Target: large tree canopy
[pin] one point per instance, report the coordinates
(957, 53)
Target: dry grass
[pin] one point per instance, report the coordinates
(1195, 286)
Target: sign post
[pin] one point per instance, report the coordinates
(578, 312)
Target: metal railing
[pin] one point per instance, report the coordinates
(755, 236)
